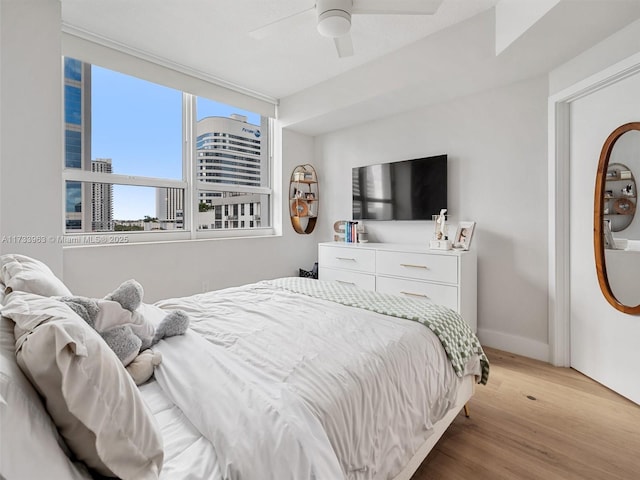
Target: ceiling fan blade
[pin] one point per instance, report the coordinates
(396, 7)
(283, 24)
(344, 45)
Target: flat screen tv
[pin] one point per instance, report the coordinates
(405, 190)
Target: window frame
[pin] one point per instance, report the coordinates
(189, 183)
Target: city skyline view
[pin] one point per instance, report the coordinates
(138, 125)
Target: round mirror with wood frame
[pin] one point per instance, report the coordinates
(600, 235)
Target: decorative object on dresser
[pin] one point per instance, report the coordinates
(346, 231)
(339, 231)
(464, 234)
(448, 278)
(440, 239)
(349, 232)
(303, 199)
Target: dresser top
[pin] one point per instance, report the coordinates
(398, 247)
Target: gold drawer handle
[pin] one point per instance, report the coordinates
(421, 295)
(414, 266)
(346, 258)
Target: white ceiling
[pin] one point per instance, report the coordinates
(301, 68)
(212, 36)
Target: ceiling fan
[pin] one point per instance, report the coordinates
(333, 17)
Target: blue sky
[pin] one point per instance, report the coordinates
(138, 124)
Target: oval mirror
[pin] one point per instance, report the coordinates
(303, 199)
(616, 225)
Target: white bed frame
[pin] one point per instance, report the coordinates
(465, 392)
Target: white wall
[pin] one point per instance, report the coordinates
(603, 340)
(170, 269)
(31, 129)
(617, 47)
(496, 143)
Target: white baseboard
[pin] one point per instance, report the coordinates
(514, 344)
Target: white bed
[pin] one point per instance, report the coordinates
(272, 383)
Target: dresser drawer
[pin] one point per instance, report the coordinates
(420, 266)
(446, 295)
(361, 260)
(357, 279)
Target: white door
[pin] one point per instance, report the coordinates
(603, 340)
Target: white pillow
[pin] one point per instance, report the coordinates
(25, 426)
(25, 274)
(88, 393)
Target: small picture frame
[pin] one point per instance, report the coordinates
(464, 234)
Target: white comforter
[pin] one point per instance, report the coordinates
(289, 387)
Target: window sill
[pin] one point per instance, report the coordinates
(116, 239)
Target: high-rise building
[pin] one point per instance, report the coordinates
(170, 208)
(101, 198)
(77, 154)
(77, 145)
(229, 151)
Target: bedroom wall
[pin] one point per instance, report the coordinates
(496, 142)
(30, 129)
(617, 47)
(169, 269)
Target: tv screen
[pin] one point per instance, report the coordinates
(406, 190)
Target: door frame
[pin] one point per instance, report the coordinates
(559, 107)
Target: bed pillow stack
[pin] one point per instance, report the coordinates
(26, 274)
(92, 400)
(25, 425)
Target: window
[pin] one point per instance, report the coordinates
(232, 167)
(143, 157)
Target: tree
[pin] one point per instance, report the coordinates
(203, 207)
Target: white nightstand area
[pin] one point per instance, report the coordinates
(447, 277)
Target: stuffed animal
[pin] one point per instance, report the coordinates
(121, 321)
(141, 368)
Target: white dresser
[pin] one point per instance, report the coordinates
(445, 277)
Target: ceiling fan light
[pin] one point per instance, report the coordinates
(334, 23)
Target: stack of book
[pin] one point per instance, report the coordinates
(351, 232)
(346, 231)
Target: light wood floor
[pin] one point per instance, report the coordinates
(535, 421)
